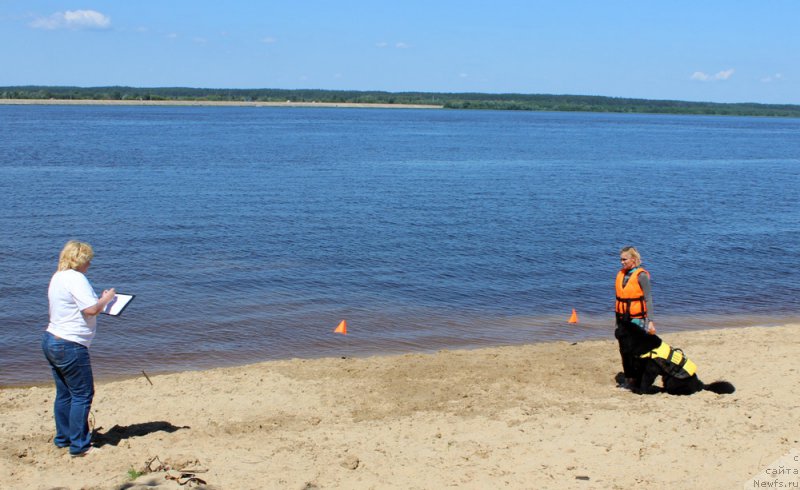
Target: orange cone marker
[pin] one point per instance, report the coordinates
(342, 328)
(574, 317)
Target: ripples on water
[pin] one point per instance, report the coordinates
(248, 233)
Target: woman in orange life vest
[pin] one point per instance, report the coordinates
(634, 299)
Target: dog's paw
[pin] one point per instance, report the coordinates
(650, 390)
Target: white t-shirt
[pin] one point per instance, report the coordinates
(69, 294)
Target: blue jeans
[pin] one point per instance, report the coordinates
(72, 372)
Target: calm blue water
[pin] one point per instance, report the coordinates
(247, 234)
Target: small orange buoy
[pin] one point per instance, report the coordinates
(342, 328)
(574, 317)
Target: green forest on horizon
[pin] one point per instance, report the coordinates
(519, 102)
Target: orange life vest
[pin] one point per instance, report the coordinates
(631, 304)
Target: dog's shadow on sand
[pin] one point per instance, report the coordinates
(114, 435)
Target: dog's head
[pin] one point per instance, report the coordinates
(635, 341)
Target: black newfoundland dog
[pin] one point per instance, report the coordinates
(646, 357)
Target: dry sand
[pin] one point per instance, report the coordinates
(534, 416)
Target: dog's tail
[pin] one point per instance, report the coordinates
(720, 387)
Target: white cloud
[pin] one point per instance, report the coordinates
(73, 19)
(269, 40)
(772, 78)
(398, 45)
(724, 75)
(705, 77)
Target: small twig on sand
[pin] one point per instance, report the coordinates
(147, 377)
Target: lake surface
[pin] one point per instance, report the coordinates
(247, 234)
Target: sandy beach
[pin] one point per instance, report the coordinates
(288, 103)
(535, 416)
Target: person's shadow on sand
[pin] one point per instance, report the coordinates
(117, 433)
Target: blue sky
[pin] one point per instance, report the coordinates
(697, 50)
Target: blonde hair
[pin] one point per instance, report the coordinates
(637, 259)
(75, 254)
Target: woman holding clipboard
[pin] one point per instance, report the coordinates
(74, 307)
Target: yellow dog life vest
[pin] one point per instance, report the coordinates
(672, 360)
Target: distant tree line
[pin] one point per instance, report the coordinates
(517, 102)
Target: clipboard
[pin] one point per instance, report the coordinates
(118, 304)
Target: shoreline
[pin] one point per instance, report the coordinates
(105, 370)
(350, 105)
(542, 415)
